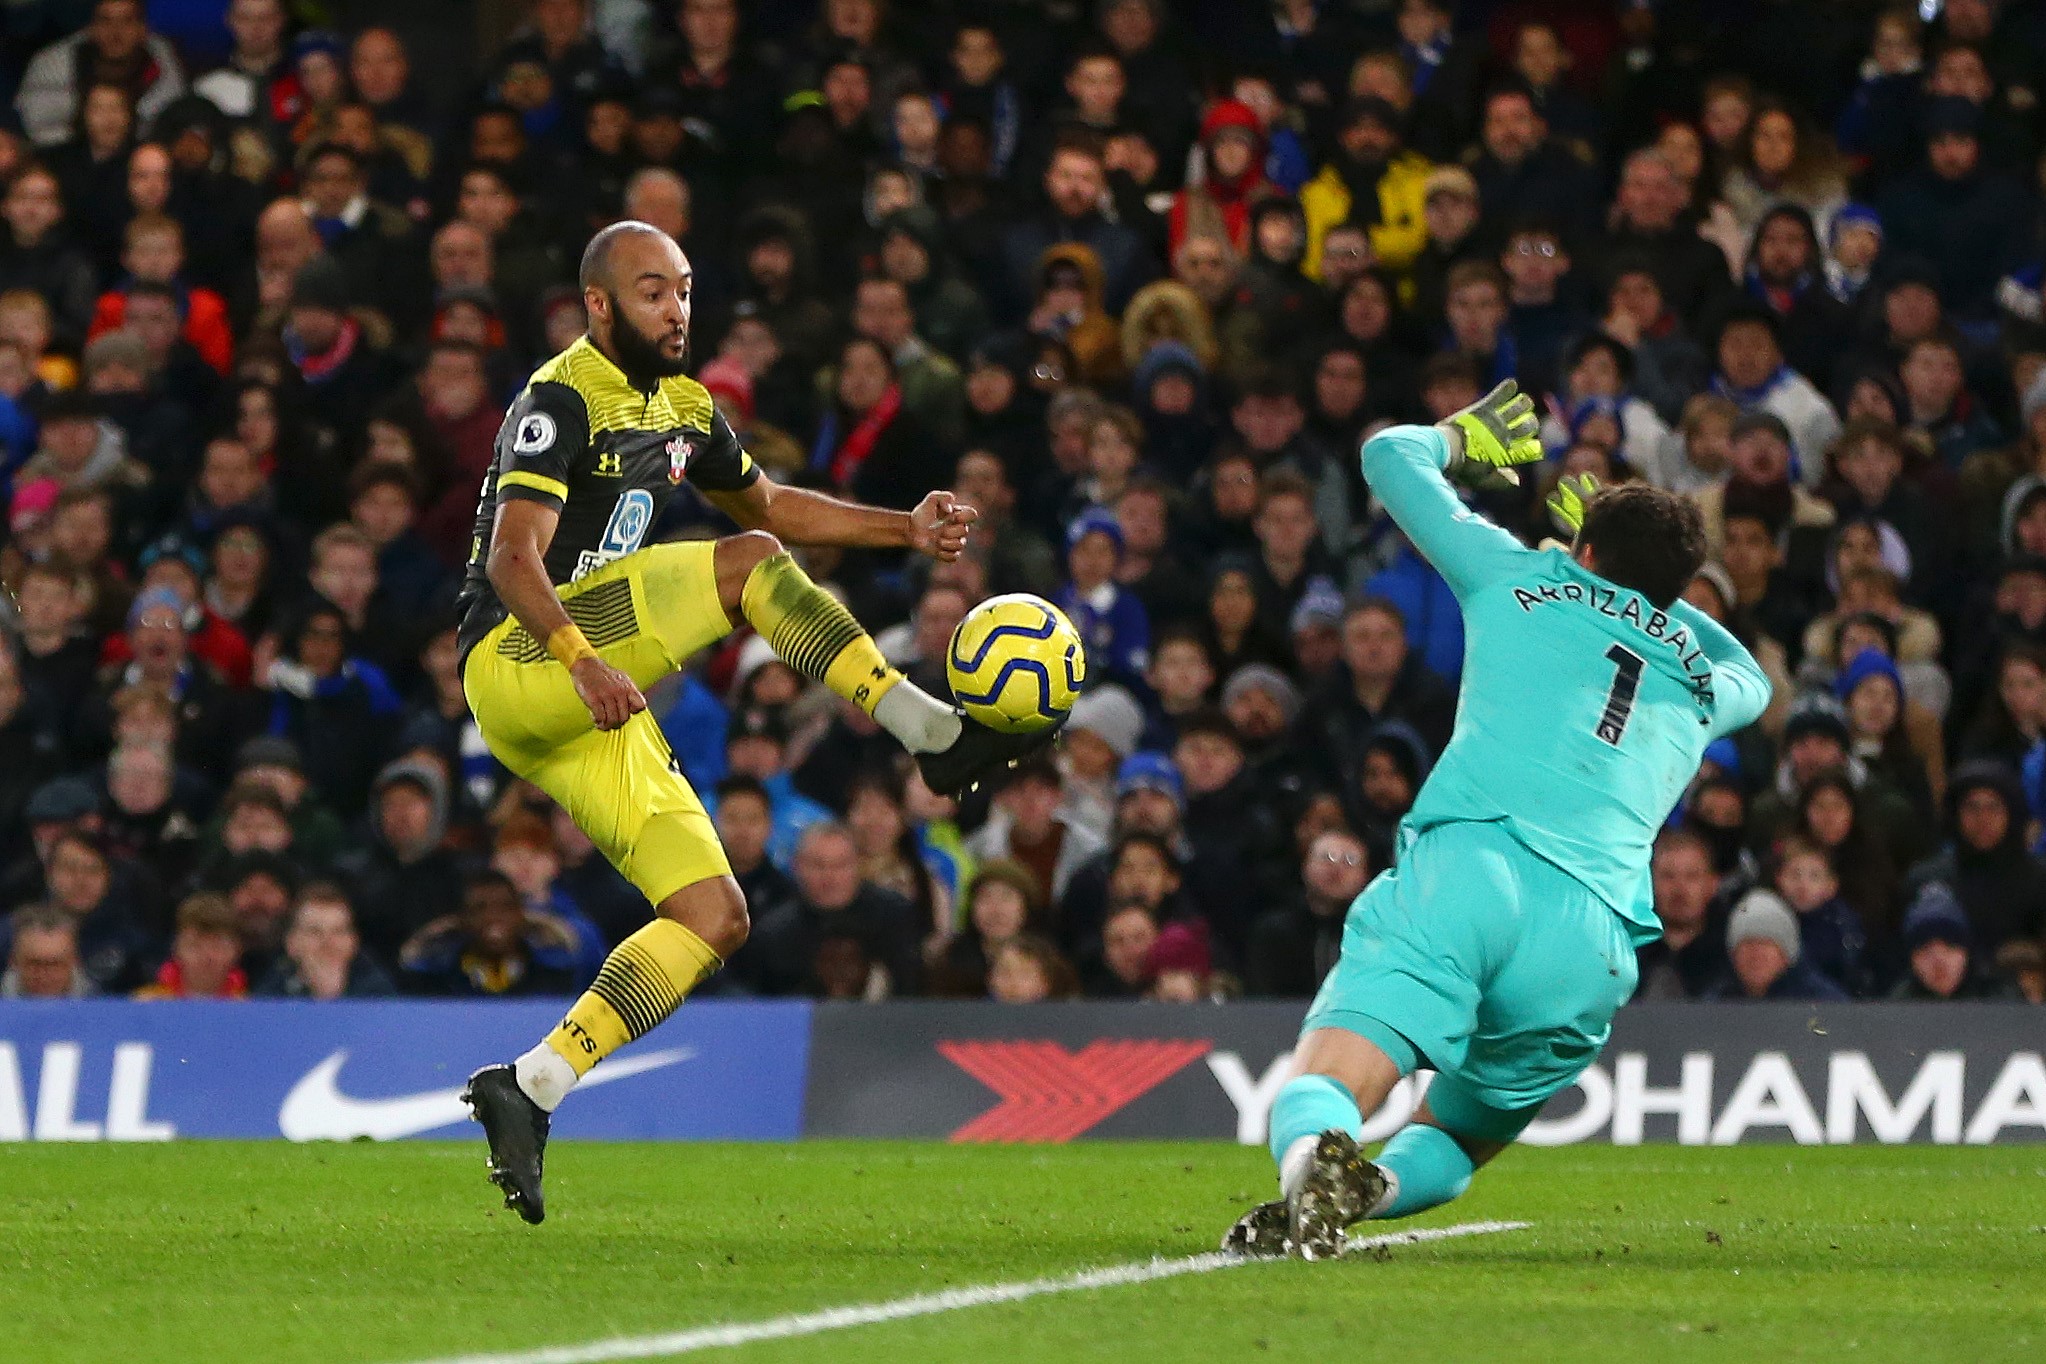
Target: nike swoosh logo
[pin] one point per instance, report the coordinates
(317, 1110)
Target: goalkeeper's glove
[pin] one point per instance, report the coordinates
(1566, 505)
(1499, 430)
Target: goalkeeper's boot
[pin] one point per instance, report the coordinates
(517, 1129)
(1341, 1186)
(980, 753)
(1261, 1232)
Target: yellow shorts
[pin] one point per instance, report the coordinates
(645, 614)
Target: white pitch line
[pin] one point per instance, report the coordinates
(929, 1304)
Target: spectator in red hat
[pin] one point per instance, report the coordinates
(1231, 179)
(1181, 964)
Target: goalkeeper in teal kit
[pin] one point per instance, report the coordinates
(1498, 948)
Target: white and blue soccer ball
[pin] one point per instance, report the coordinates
(1016, 663)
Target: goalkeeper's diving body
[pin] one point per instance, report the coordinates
(568, 615)
(1499, 946)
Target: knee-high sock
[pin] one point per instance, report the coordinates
(813, 633)
(1425, 1168)
(641, 983)
(1308, 1106)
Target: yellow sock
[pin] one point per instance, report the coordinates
(641, 983)
(813, 633)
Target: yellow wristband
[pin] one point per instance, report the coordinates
(568, 646)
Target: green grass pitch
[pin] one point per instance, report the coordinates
(269, 1252)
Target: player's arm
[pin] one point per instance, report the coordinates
(517, 566)
(740, 489)
(1406, 468)
(543, 434)
(1741, 691)
(801, 516)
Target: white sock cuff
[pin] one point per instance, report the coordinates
(544, 1076)
(919, 720)
(1293, 1166)
(1386, 1199)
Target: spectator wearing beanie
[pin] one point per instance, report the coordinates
(1102, 732)
(1112, 622)
(1871, 690)
(1817, 740)
(1938, 956)
(731, 389)
(1999, 887)
(1182, 964)
(1765, 948)
(1853, 241)
(1315, 627)
(1264, 705)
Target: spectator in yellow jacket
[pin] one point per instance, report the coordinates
(1375, 183)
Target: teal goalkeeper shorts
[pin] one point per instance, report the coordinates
(1478, 959)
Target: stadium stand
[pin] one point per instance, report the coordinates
(1142, 277)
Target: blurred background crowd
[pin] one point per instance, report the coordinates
(1133, 277)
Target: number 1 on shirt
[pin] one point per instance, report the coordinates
(1627, 667)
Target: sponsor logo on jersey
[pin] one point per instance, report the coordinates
(610, 464)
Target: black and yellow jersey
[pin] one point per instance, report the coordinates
(608, 456)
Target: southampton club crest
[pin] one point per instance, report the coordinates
(680, 451)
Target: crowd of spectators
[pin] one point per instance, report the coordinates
(1135, 279)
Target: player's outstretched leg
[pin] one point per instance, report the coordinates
(644, 980)
(813, 633)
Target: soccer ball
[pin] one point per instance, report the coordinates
(1016, 663)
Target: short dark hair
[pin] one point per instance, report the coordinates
(1682, 836)
(1646, 539)
(739, 784)
(320, 151)
(1156, 844)
(379, 473)
(1376, 605)
(1035, 769)
(489, 878)
(149, 288)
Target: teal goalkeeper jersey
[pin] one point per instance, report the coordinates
(1585, 710)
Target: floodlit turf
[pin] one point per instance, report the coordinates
(262, 1252)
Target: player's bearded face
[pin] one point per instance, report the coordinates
(663, 351)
